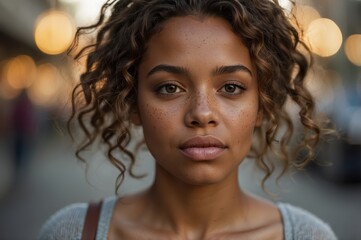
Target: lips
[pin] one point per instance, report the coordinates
(203, 148)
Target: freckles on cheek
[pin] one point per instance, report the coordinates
(245, 120)
(152, 116)
(156, 118)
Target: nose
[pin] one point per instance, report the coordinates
(201, 112)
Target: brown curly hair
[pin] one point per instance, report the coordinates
(104, 98)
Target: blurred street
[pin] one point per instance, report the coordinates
(39, 173)
(54, 178)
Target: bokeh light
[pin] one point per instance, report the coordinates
(43, 91)
(324, 37)
(353, 49)
(285, 4)
(20, 72)
(6, 91)
(69, 1)
(305, 15)
(87, 11)
(54, 32)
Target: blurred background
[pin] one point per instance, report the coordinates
(38, 170)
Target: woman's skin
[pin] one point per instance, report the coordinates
(198, 106)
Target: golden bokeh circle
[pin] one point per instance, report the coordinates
(324, 37)
(353, 49)
(20, 72)
(54, 32)
(45, 89)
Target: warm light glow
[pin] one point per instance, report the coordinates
(69, 1)
(6, 91)
(285, 4)
(54, 32)
(324, 37)
(87, 11)
(44, 90)
(20, 72)
(353, 49)
(305, 15)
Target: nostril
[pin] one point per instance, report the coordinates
(212, 122)
(195, 123)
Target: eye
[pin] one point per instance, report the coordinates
(168, 89)
(231, 88)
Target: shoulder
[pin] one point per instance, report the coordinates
(300, 224)
(67, 223)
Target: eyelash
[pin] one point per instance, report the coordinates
(239, 89)
(162, 87)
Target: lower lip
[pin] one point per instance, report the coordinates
(203, 153)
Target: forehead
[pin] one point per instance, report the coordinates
(207, 37)
(196, 25)
(207, 29)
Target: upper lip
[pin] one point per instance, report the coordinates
(202, 142)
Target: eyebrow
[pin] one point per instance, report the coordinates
(183, 71)
(169, 69)
(231, 69)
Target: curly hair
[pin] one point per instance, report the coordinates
(104, 98)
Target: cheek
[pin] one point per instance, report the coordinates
(159, 129)
(156, 121)
(150, 116)
(248, 119)
(243, 122)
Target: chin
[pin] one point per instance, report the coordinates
(197, 173)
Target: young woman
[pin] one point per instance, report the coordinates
(207, 81)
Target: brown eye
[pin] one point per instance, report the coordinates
(168, 89)
(232, 89)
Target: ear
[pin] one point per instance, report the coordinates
(259, 118)
(135, 117)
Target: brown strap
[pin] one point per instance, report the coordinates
(91, 221)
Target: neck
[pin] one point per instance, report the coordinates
(197, 207)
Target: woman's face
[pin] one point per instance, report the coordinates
(197, 100)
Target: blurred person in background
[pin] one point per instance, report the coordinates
(207, 81)
(22, 133)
